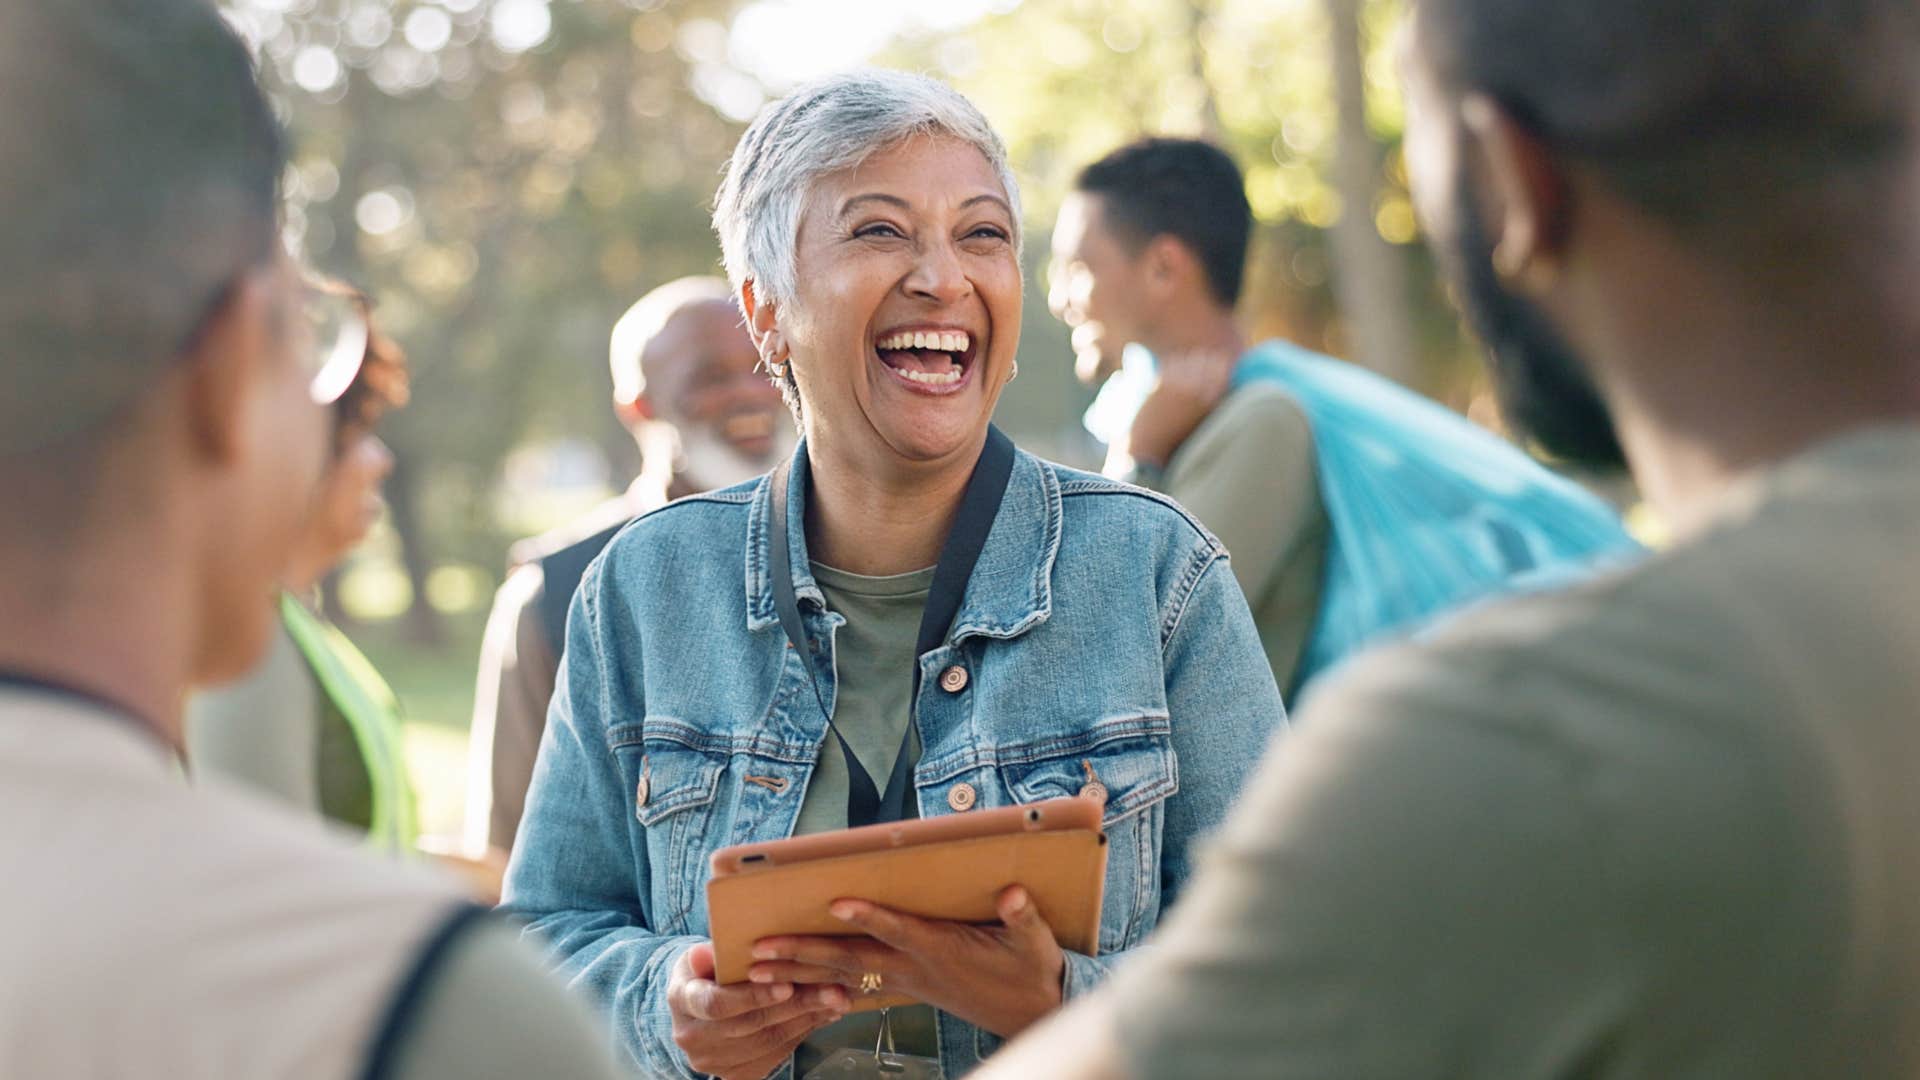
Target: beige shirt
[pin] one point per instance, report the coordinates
(1248, 473)
(1663, 824)
(150, 928)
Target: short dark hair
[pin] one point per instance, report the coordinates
(139, 176)
(1185, 188)
(1694, 109)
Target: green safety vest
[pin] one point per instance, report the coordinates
(372, 712)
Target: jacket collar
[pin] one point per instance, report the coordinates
(1011, 589)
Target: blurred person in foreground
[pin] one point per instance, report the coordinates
(686, 384)
(1664, 823)
(163, 431)
(1354, 508)
(314, 725)
(908, 618)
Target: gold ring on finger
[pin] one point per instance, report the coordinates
(870, 982)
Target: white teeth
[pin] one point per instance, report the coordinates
(943, 341)
(944, 378)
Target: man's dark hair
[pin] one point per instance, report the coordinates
(139, 176)
(1699, 110)
(1184, 188)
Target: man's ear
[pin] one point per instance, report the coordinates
(763, 325)
(1529, 212)
(224, 371)
(1168, 263)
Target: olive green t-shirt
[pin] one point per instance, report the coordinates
(1248, 473)
(873, 656)
(1663, 823)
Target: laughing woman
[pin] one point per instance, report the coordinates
(910, 618)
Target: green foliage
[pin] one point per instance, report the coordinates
(503, 206)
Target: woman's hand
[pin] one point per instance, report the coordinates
(746, 1031)
(1190, 385)
(999, 978)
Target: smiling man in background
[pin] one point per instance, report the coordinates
(686, 384)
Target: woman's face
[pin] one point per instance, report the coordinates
(349, 500)
(906, 317)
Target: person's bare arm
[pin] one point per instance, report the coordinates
(1077, 1043)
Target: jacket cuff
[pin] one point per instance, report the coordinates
(653, 1022)
(1083, 974)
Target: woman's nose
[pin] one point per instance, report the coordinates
(938, 275)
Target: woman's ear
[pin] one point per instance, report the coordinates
(763, 326)
(1527, 192)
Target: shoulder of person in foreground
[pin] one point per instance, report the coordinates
(445, 988)
(1555, 832)
(483, 1007)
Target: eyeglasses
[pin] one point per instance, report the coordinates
(335, 337)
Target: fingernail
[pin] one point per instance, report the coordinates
(760, 976)
(1020, 902)
(782, 992)
(765, 952)
(844, 911)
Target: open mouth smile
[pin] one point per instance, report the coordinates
(935, 360)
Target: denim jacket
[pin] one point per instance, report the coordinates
(1101, 628)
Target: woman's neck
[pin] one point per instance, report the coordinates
(883, 521)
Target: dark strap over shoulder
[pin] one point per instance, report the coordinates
(979, 506)
(560, 575)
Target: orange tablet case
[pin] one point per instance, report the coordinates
(950, 867)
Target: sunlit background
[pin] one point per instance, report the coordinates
(506, 176)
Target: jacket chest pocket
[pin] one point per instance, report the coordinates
(671, 792)
(1133, 775)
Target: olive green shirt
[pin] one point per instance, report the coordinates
(1248, 473)
(873, 656)
(1662, 824)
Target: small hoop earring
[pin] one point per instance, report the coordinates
(1015, 373)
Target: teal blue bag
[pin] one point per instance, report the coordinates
(1427, 511)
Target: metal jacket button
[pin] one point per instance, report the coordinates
(954, 679)
(962, 797)
(643, 788)
(1093, 788)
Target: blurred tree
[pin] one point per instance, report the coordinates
(505, 176)
(1369, 278)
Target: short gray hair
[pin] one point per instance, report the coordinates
(823, 127)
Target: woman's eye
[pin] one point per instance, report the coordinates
(882, 231)
(990, 232)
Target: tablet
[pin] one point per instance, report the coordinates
(950, 867)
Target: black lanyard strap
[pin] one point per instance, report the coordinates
(866, 805)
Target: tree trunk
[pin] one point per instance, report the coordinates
(1370, 279)
(403, 504)
(1200, 14)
